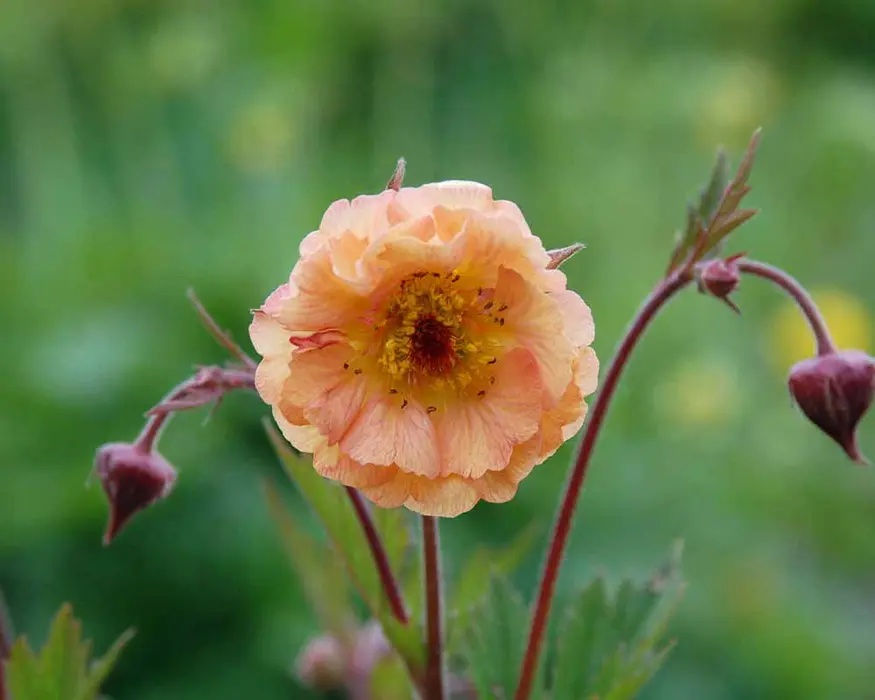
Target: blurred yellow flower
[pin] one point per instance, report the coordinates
(262, 136)
(739, 97)
(847, 317)
(423, 350)
(697, 393)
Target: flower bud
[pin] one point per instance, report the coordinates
(322, 664)
(720, 278)
(834, 390)
(132, 479)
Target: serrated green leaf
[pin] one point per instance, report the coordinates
(716, 217)
(61, 670)
(473, 580)
(495, 640)
(23, 677)
(321, 576)
(63, 658)
(100, 668)
(705, 206)
(331, 505)
(610, 646)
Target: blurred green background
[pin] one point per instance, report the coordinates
(146, 146)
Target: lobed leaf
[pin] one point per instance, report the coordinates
(474, 579)
(717, 212)
(61, 670)
(610, 646)
(704, 209)
(495, 640)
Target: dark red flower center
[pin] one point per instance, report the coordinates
(432, 346)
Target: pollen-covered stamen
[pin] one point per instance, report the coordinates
(432, 346)
(433, 336)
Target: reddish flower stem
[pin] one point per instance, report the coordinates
(657, 298)
(806, 304)
(433, 682)
(381, 560)
(209, 384)
(223, 338)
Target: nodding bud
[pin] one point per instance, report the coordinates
(329, 663)
(719, 278)
(322, 664)
(834, 390)
(133, 479)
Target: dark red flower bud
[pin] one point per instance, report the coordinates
(834, 390)
(720, 278)
(133, 479)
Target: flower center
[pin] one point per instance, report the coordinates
(423, 327)
(432, 346)
(427, 342)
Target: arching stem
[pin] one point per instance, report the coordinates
(798, 293)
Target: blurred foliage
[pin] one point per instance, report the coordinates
(149, 146)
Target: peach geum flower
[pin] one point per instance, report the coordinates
(423, 350)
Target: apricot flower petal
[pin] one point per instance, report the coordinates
(536, 323)
(478, 435)
(385, 434)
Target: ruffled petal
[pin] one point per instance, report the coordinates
(365, 216)
(477, 435)
(576, 317)
(334, 411)
(534, 321)
(316, 372)
(271, 341)
(487, 243)
(320, 298)
(304, 438)
(452, 194)
(331, 463)
(385, 434)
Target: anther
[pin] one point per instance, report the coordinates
(431, 409)
(503, 307)
(393, 391)
(501, 322)
(357, 371)
(488, 305)
(482, 392)
(492, 361)
(346, 365)
(404, 403)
